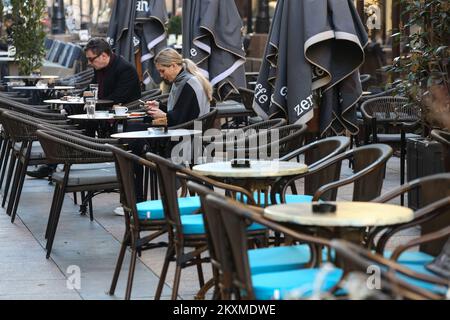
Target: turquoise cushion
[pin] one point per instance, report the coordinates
(193, 224)
(290, 198)
(420, 268)
(153, 209)
(266, 284)
(411, 257)
(278, 258)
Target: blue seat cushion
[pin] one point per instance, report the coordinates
(193, 224)
(153, 209)
(290, 198)
(419, 268)
(278, 258)
(265, 285)
(411, 257)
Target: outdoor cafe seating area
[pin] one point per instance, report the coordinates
(303, 223)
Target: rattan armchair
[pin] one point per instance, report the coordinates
(61, 148)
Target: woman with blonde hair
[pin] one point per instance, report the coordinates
(191, 92)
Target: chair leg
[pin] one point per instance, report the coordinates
(52, 209)
(176, 282)
(4, 161)
(75, 199)
(123, 248)
(54, 224)
(15, 183)
(19, 191)
(169, 254)
(201, 279)
(131, 274)
(402, 164)
(12, 165)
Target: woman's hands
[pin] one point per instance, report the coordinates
(152, 109)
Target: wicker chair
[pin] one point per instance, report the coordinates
(69, 150)
(229, 219)
(135, 221)
(367, 177)
(397, 280)
(281, 140)
(188, 230)
(427, 190)
(397, 117)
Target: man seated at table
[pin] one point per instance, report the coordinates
(117, 80)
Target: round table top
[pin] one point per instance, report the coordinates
(59, 101)
(44, 88)
(348, 214)
(102, 116)
(31, 77)
(154, 134)
(257, 169)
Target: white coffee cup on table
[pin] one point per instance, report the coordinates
(120, 111)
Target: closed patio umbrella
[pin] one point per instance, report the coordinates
(151, 17)
(121, 29)
(212, 39)
(311, 60)
(138, 25)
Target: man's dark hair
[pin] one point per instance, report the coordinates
(98, 46)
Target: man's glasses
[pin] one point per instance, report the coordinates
(92, 59)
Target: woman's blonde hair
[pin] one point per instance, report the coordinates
(169, 56)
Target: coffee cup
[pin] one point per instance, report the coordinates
(120, 111)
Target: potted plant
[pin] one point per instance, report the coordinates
(28, 34)
(423, 67)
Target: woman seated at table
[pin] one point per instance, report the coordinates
(189, 98)
(190, 94)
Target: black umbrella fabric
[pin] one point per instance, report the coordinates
(314, 50)
(151, 17)
(212, 38)
(121, 29)
(139, 26)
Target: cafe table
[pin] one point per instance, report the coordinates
(154, 135)
(32, 79)
(350, 220)
(258, 177)
(37, 92)
(75, 106)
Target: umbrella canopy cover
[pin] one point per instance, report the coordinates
(212, 38)
(312, 57)
(151, 17)
(138, 25)
(121, 28)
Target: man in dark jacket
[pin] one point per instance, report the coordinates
(117, 79)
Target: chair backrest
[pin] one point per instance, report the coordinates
(125, 169)
(219, 251)
(74, 56)
(65, 53)
(235, 241)
(394, 276)
(63, 148)
(317, 152)
(427, 190)
(390, 109)
(236, 217)
(367, 177)
(247, 97)
(206, 120)
(56, 51)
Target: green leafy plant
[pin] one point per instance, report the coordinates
(422, 69)
(174, 25)
(28, 34)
